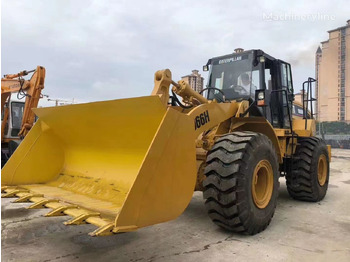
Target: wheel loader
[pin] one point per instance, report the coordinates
(232, 141)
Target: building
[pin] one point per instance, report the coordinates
(195, 80)
(333, 76)
(298, 97)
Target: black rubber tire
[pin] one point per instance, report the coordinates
(302, 181)
(228, 184)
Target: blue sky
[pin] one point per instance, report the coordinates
(102, 50)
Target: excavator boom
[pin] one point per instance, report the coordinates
(18, 116)
(31, 89)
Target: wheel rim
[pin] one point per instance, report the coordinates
(262, 184)
(322, 170)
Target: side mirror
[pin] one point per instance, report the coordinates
(205, 68)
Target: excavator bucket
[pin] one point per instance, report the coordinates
(121, 164)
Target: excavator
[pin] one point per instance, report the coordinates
(130, 163)
(16, 116)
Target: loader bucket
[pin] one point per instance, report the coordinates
(121, 164)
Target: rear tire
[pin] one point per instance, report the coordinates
(233, 201)
(308, 180)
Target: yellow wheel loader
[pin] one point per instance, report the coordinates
(233, 141)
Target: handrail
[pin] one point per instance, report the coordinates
(308, 99)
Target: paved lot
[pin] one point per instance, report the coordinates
(298, 232)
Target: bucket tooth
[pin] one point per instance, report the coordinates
(60, 211)
(124, 229)
(14, 192)
(81, 219)
(105, 230)
(26, 198)
(4, 188)
(42, 203)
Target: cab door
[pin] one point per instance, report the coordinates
(14, 121)
(288, 93)
(282, 95)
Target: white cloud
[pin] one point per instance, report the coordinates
(110, 49)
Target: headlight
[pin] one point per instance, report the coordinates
(261, 96)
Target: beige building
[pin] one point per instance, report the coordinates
(298, 97)
(195, 80)
(333, 76)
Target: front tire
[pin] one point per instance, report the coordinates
(241, 187)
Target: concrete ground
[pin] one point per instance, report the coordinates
(299, 231)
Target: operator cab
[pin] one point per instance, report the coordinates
(255, 76)
(14, 121)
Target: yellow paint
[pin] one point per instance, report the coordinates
(262, 184)
(130, 160)
(299, 127)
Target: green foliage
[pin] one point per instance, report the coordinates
(333, 128)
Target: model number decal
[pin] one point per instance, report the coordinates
(201, 120)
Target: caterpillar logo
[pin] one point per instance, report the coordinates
(201, 120)
(229, 60)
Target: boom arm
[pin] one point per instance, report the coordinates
(14, 83)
